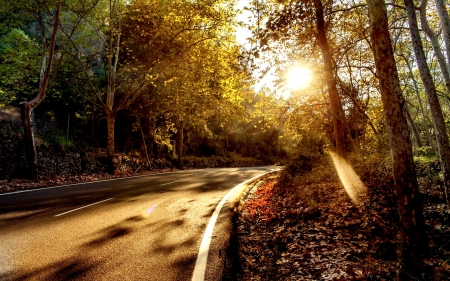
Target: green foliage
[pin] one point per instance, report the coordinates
(376, 169)
(19, 66)
(428, 167)
(308, 127)
(3, 99)
(179, 62)
(59, 138)
(425, 151)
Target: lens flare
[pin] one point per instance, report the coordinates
(151, 209)
(147, 213)
(349, 179)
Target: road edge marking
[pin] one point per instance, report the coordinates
(167, 183)
(202, 257)
(83, 207)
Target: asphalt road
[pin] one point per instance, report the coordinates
(141, 228)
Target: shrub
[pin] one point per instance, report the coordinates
(58, 137)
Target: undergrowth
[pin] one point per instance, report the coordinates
(301, 225)
(58, 137)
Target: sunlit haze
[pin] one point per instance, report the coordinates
(242, 36)
(243, 33)
(349, 179)
(298, 77)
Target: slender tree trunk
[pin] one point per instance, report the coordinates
(30, 146)
(419, 99)
(152, 139)
(144, 144)
(180, 137)
(335, 102)
(433, 101)
(113, 59)
(445, 24)
(155, 148)
(348, 133)
(363, 113)
(27, 108)
(110, 149)
(435, 43)
(412, 225)
(413, 127)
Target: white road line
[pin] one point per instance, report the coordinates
(169, 183)
(202, 258)
(83, 207)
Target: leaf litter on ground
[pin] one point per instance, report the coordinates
(301, 225)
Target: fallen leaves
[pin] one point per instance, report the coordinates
(312, 231)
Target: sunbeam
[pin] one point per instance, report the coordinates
(349, 179)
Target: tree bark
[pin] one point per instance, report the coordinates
(433, 100)
(152, 139)
(27, 108)
(180, 136)
(113, 60)
(110, 121)
(372, 126)
(413, 127)
(155, 148)
(30, 146)
(412, 225)
(419, 99)
(144, 143)
(174, 149)
(435, 43)
(335, 102)
(445, 24)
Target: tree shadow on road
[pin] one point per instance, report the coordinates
(60, 271)
(108, 235)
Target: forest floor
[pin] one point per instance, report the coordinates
(305, 227)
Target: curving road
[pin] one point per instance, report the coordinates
(140, 228)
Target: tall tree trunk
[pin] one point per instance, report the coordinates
(27, 108)
(372, 126)
(152, 139)
(155, 148)
(147, 129)
(445, 25)
(419, 99)
(435, 43)
(413, 126)
(113, 60)
(180, 136)
(30, 145)
(412, 225)
(433, 101)
(110, 121)
(144, 143)
(335, 102)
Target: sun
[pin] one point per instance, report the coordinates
(298, 78)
